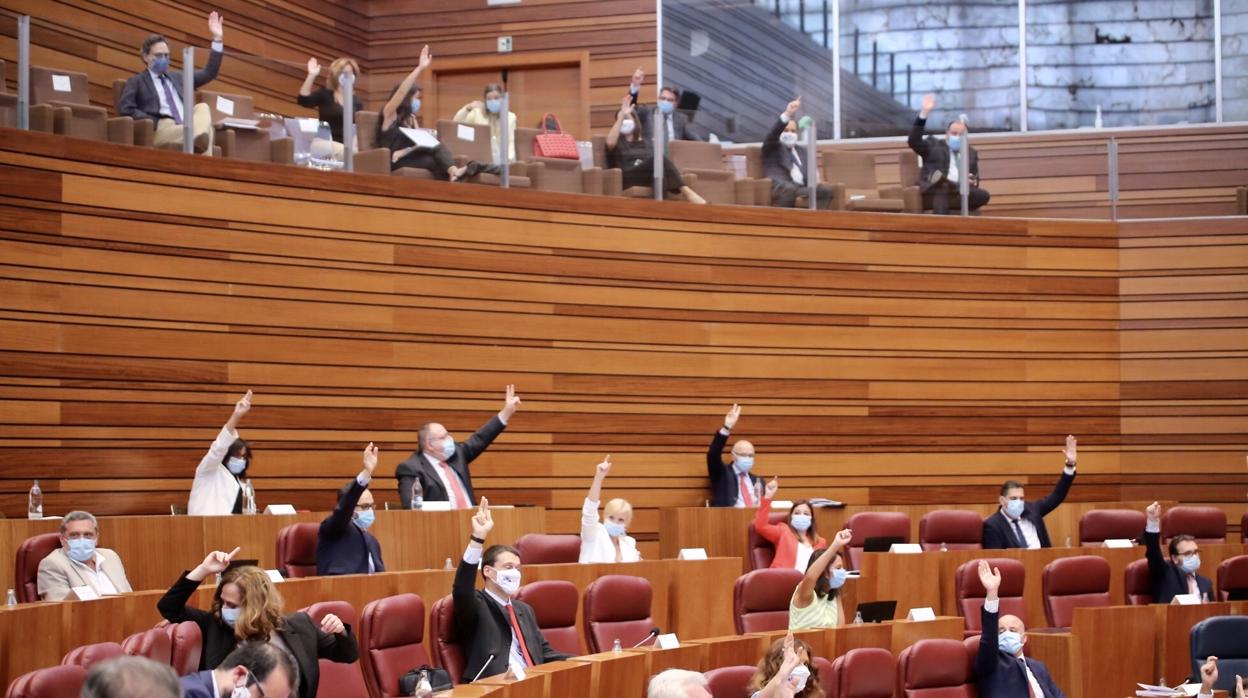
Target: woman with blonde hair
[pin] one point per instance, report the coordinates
(488, 112)
(608, 540)
(246, 607)
(328, 100)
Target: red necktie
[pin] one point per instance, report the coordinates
(515, 629)
(457, 492)
(1192, 586)
(747, 492)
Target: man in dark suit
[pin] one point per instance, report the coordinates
(1001, 670)
(677, 124)
(1176, 575)
(156, 93)
(497, 633)
(941, 173)
(441, 465)
(343, 543)
(784, 165)
(1019, 523)
(262, 664)
(732, 485)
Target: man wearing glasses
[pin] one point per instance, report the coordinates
(253, 669)
(343, 543)
(1175, 576)
(78, 567)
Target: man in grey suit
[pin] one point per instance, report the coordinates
(784, 165)
(676, 122)
(79, 563)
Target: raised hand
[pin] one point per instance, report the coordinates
(639, 76)
(626, 106)
(217, 561)
(370, 458)
(215, 26)
(1071, 451)
(332, 625)
(1208, 674)
(793, 107)
(482, 521)
(772, 485)
(1153, 512)
(425, 58)
(604, 467)
(730, 419)
(1239, 687)
(842, 537)
(314, 66)
(511, 401)
(990, 577)
(243, 405)
(929, 103)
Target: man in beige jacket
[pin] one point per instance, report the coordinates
(79, 563)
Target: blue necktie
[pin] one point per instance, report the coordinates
(1018, 530)
(173, 104)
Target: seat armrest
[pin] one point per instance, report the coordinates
(375, 161)
(709, 175)
(613, 182)
(536, 172)
(744, 192)
(61, 116)
(282, 151)
(42, 118)
(121, 130)
(592, 181)
(144, 133)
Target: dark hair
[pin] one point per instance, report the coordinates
(814, 535)
(236, 448)
(401, 112)
(151, 41)
(491, 554)
(422, 435)
(823, 589)
(131, 677)
(951, 123)
(673, 90)
(261, 658)
(1010, 485)
(1181, 538)
(492, 87)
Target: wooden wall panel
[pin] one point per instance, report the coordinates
(882, 360)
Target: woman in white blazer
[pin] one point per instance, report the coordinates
(606, 541)
(218, 486)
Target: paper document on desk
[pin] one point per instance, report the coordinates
(241, 124)
(422, 137)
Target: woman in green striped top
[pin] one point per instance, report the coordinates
(816, 602)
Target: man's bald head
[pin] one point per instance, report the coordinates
(1012, 624)
(743, 448)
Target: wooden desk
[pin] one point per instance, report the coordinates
(908, 632)
(616, 674)
(531, 686)
(1117, 647)
(1060, 652)
(1174, 649)
(689, 655)
(732, 650)
(566, 678)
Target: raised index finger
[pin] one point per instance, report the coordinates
(233, 553)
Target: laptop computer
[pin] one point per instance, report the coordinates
(880, 544)
(877, 611)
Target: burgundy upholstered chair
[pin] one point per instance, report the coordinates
(1205, 524)
(1137, 586)
(1232, 575)
(617, 607)
(956, 529)
(339, 679)
(760, 599)
(1100, 525)
(730, 681)
(187, 645)
(934, 668)
(1074, 582)
(548, 548)
(554, 603)
(970, 593)
(875, 524)
(866, 672)
(86, 655)
(296, 550)
(52, 682)
(26, 569)
(762, 552)
(155, 644)
(391, 638)
(447, 652)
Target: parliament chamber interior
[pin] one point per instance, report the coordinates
(568, 259)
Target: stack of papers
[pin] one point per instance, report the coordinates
(1150, 691)
(235, 122)
(824, 502)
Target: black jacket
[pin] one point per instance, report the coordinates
(341, 546)
(778, 157)
(935, 154)
(1001, 676)
(484, 629)
(1165, 579)
(139, 99)
(999, 533)
(724, 488)
(300, 633)
(416, 466)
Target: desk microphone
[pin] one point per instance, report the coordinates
(654, 632)
(483, 666)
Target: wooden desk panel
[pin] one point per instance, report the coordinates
(914, 580)
(815, 637)
(1060, 652)
(566, 678)
(616, 675)
(732, 650)
(838, 641)
(1117, 648)
(689, 655)
(1174, 623)
(906, 632)
(531, 686)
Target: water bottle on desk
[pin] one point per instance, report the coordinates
(758, 491)
(615, 647)
(35, 508)
(858, 618)
(249, 498)
(423, 687)
(10, 600)
(418, 495)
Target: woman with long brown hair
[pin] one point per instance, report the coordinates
(246, 607)
(788, 669)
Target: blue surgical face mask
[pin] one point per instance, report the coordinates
(81, 549)
(365, 518)
(1014, 508)
(955, 143)
(838, 577)
(448, 448)
(1010, 642)
(614, 529)
(800, 522)
(666, 107)
(1189, 564)
(160, 65)
(236, 465)
(494, 106)
(229, 615)
(415, 105)
(744, 463)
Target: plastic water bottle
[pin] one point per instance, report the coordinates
(35, 510)
(858, 618)
(249, 498)
(1099, 122)
(448, 566)
(1067, 541)
(10, 599)
(418, 495)
(423, 688)
(943, 548)
(758, 491)
(615, 646)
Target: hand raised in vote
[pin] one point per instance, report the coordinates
(425, 57)
(990, 577)
(482, 521)
(1153, 512)
(772, 485)
(626, 106)
(793, 107)
(842, 537)
(215, 25)
(217, 561)
(243, 405)
(1209, 674)
(314, 66)
(604, 467)
(639, 76)
(929, 103)
(332, 625)
(1072, 449)
(730, 419)
(1239, 687)
(511, 402)
(370, 458)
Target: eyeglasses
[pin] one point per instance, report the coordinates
(253, 681)
(364, 507)
(82, 536)
(1189, 554)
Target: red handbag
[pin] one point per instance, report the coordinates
(558, 145)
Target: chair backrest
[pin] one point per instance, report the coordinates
(1232, 575)
(600, 150)
(447, 652)
(760, 599)
(617, 607)
(524, 143)
(187, 642)
(296, 550)
(854, 169)
(1136, 584)
(956, 529)
(548, 548)
(1221, 637)
(26, 568)
(392, 631)
(52, 682)
(695, 155)
(49, 85)
(338, 678)
(754, 161)
(866, 672)
(1074, 582)
(86, 655)
(451, 134)
(762, 552)
(1243, 528)
(1100, 525)
(908, 167)
(874, 524)
(971, 593)
(227, 104)
(1205, 524)
(934, 668)
(366, 129)
(554, 604)
(730, 681)
(155, 644)
(823, 668)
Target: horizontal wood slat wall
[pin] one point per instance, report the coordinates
(881, 360)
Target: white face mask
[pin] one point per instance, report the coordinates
(508, 581)
(627, 126)
(242, 691)
(798, 677)
(788, 138)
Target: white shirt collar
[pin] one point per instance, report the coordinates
(498, 599)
